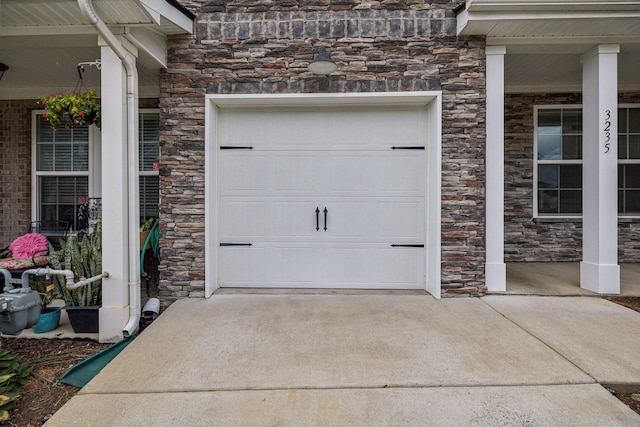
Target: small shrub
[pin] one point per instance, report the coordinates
(14, 375)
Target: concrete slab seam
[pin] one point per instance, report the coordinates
(540, 339)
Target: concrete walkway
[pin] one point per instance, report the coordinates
(370, 360)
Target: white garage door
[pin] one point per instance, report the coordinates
(322, 197)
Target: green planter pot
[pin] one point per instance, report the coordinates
(48, 321)
(84, 319)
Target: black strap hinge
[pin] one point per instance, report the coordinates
(236, 244)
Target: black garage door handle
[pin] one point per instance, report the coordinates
(325, 218)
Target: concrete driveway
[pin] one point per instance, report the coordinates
(370, 360)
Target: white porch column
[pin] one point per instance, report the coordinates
(599, 270)
(115, 251)
(495, 268)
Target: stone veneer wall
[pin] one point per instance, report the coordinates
(250, 47)
(15, 169)
(529, 239)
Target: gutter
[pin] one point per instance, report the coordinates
(129, 62)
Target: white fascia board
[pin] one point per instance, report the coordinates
(159, 9)
(546, 5)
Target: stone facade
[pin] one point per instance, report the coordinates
(250, 47)
(548, 239)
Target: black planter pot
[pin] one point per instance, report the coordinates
(84, 319)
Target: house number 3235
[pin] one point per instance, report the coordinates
(607, 131)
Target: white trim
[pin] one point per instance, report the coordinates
(93, 136)
(495, 267)
(433, 102)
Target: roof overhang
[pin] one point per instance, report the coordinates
(42, 41)
(506, 19)
(545, 39)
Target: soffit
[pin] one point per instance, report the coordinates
(42, 42)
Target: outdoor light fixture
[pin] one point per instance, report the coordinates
(322, 64)
(3, 68)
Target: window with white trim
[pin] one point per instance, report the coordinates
(63, 168)
(558, 161)
(628, 161)
(149, 131)
(62, 171)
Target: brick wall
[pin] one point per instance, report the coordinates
(529, 239)
(264, 47)
(15, 169)
(15, 165)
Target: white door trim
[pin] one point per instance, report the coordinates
(433, 101)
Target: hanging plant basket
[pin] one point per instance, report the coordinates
(67, 110)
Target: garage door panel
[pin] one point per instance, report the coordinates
(242, 172)
(375, 267)
(271, 173)
(243, 266)
(375, 220)
(242, 219)
(266, 219)
(400, 268)
(312, 158)
(269, 264)
(329, 128)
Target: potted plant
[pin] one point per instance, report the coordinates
(49, 316)
(83, 257)
(71, 109)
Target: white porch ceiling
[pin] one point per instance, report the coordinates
(545, 39)
(42, 42)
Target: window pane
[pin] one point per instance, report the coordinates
(622, 120)
(549, 119)
(634, 146)
(45, 158)
(622, 147)
(548, 201)
(632, 200)
(59, 197)
(549, 147)
(149, 196)
(149, 132)
(547, 176)
(632, 176)
(80, 157)
(572, 121)
(571, 176)
(570, 201)
(634, 120)
(572, 147)
(621, 202)
(148, 155)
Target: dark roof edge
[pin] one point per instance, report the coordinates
(186, 12)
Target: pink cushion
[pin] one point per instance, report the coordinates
(28, 245)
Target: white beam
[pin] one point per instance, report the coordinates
(495, 268)
(599, 270)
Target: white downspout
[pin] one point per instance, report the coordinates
(129, 62)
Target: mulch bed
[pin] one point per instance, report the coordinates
(44, 395)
